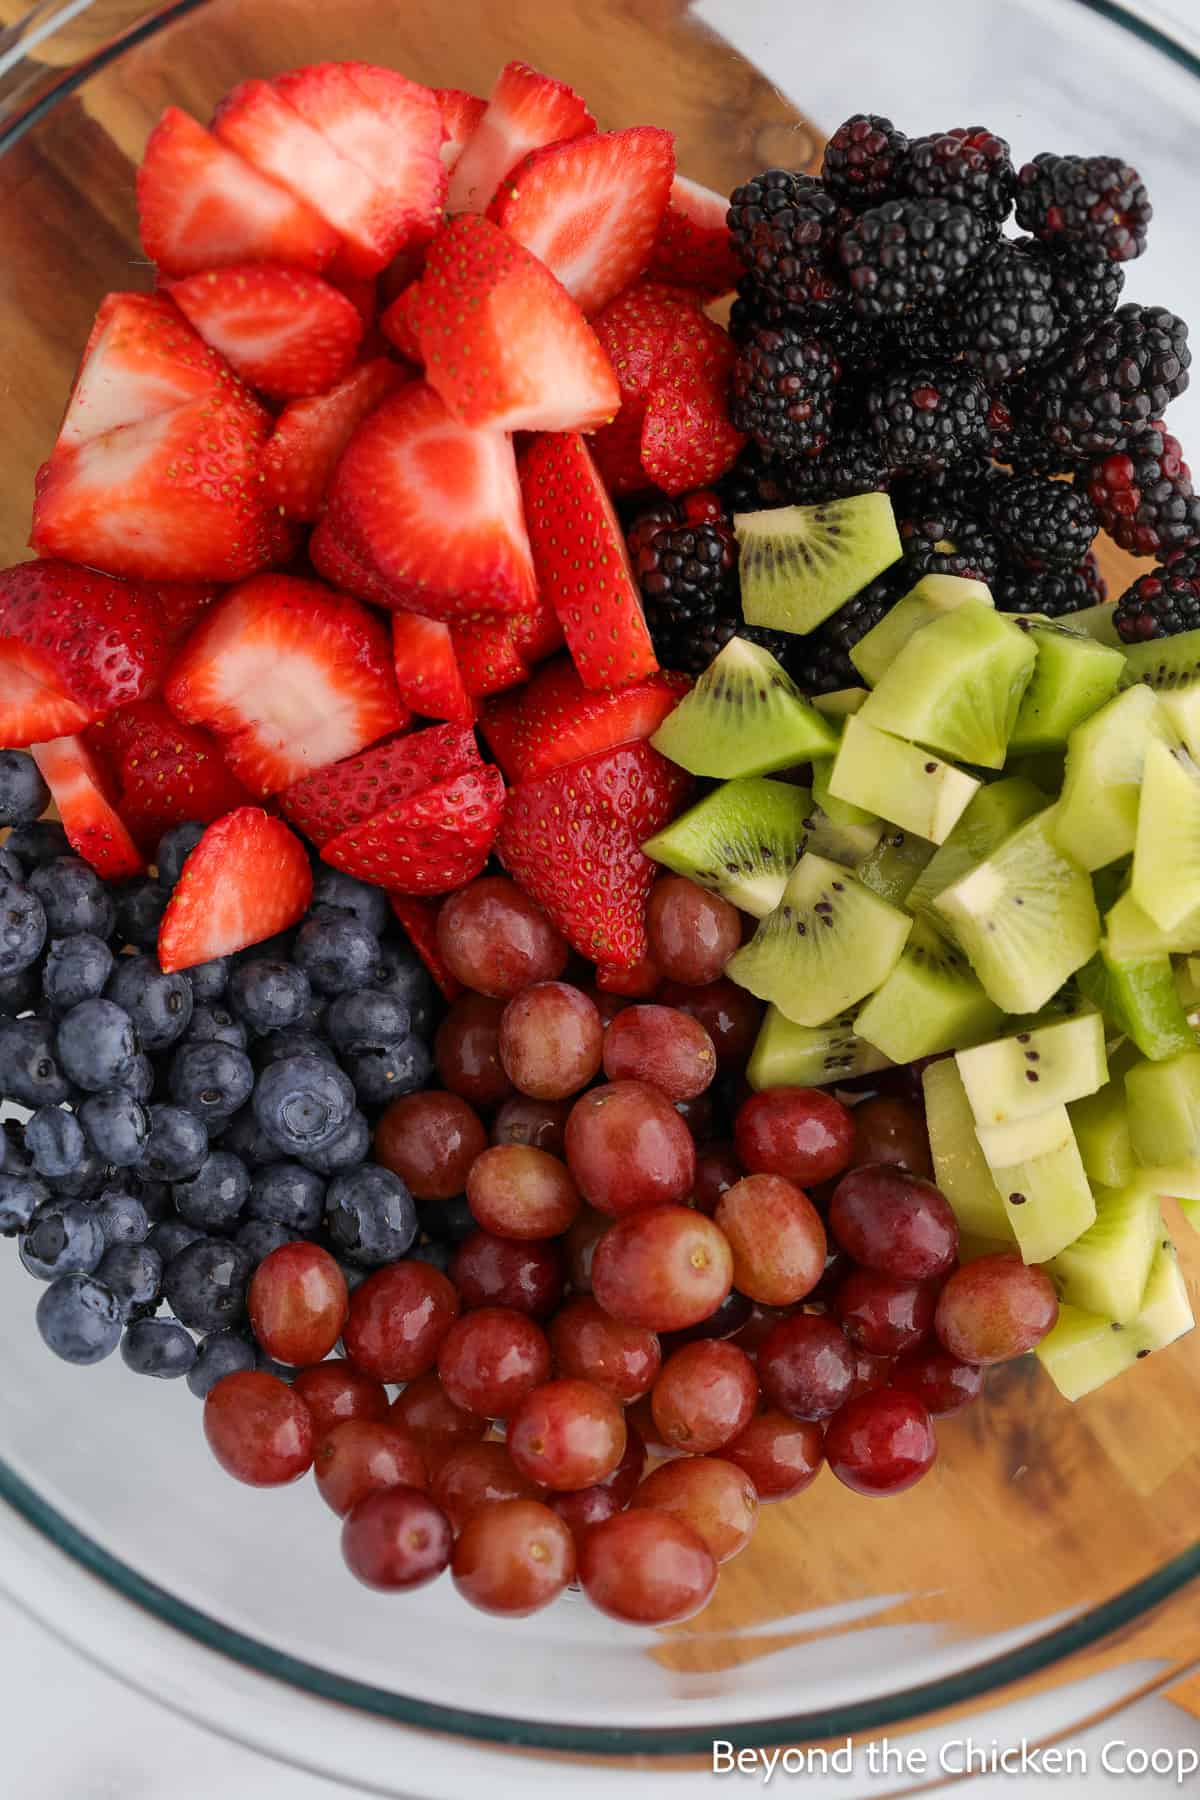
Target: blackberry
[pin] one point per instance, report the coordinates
(712, 637)
(783, 388)
(849, 464)
(1025, 447)
(821, 661)
(862, 160)
(1052, 592)
(784, 226)
(969, 166)
(906, 253)
(963, 489)
(1086, 287)
(1114, 381)
(1002, 314)
(1093, 575)
(688, 578)
(818, 310)
(1160, 604)
(1097, 202)
(1043, 524)
(929, 418)
(942, 542)
(1144, 495)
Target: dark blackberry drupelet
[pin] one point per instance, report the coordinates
(821, 660)
(688, 578)
(1002, 314)
(849, 464)
(1113, 382)
(907, 253)
(929, 418)
(969, 166)
(964, 489)
(1052, 592)
(1043, 524)
(1097, 202)
(943, 542)
(1144, 495)
(783, 388)
(862, 160)
(1085, 285)
(1027, 450)
(1160, 604)
(784, 225)
(1093, 576)
(713, 636)
(754, 308)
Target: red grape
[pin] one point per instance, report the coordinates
(516, 1192)
(425, 1410)
(398, 1318)
(430, 1141)
(567, 1434)
(661, 1046)
(665, 1269)
(887, 1130)
(258, 1429)
(870, 1372)
(704, 1397)
(938, 1380)
(640, 982)
(803, 1134)
(717, 1170)
(335, 1391)
(760, 1321)
(715, 1497)
(882, 1314)
(777, 1239)
(726, 1322)
(493, 1271)
(491, 1359)
(496, 940)
(881, 1443)
(729, 1014)
(698, 1114)
(551, 1040)
(397, 1539)
(467, 1051)
(363, 1456)
(588, 1344)
(781, 1456)
(647, 1567)
(582, 1507)
(806, 1366)
(298, 1303)
(513, 1558)
(692, 933)
(627, 1148)
(892, 1222)
(475, 1475)
(994, 1309)
(542, 1124)
(580, 1244)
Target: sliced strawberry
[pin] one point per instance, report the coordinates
(427, 671)
(419, 919)
(487, 656)
(202, 206)
(562, 721)
(524, 111)
(433, 841)
(346, 793)
(165, 773)
(363, 294)
(591, 208)
(310, 435)
(693, 245)
(181, 604)
(93, 826)
(433, 509)
(499, 723)
(582, 563)
(73, 645)
(638, 330)
(687, 439)
(290, 676)
(345, 568)
(461, 114)
(641, 982)
(399, 323)
(247, 878)
(285, 332)
(538, 634)
(572, 840)
(502, 341)
(142, 359)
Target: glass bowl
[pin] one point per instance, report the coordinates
(1045, 1528)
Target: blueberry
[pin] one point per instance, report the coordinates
(210, 979)
(155, 1196)
(336, 952)
(33, 845)
(403, 976)
(22, 927)
(19, 993)
(277, 1046)
(117, 1127)
(64, 1237)
(140, 906)
(302, 1103)
(178, 1144)
(382, 1075)
(13, 1159)
(174, 849)
(331, 887)
(215, 1196)
(205, 1284)
(247, 1139)
(367, 1020)
(123, 1217)
(213, 1023)
(74, 897)
(140, 1082)
(24, 796)
(79, 1319)
(211, 1080)
(447, 1221)
(370, 1215)
(349, 1148)
(77, 969)
(11, 867)
(159, 1005)
(439, 1256)
(289, 1194)
(96, 1045)
(85, 1180)
(269, 996)
(221, 1353)
(55, 1142)
(20, 1197)
(158, 1347)
(29, 1067)
(170, 1236)
(259, 1237)
(134, 1272)
(273, 949)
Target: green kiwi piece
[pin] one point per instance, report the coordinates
(829, 942)
(1133, 933)
(1170, 668)
(1098, 807)
(1164, 1109)
(1137, 995)
(1025, 916)
(1100, 1122)
(1037, 1167)
(1166, 854)
(1017, 1076)
(840, 704)
(956, 686)
(1085, 1350)
(1072, 678)
(992, 815)
(741, 841)
(1098, 623)
(896, 781)
(929, 1003)
(958, 1163)
(1187, 980)
(788, 1055)
(838, 812)
(874, 654)
(1106, 1270)
(745, 716)
(895, 863)
(841, 840)
(798, 564)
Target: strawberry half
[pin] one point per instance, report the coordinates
(687, 438)
(290, 676)
(591, 208)
(247, 878)
(502, 341)
(181, 603)
(582, 563)
(165, 773)
(399, 323)
(500, 722)
(427, 672)
(419, 919)
(310, 436)
(538, 634)
(362, 291)
(525, 110)
(561, 721)
(573, 841)
(430, 843)
(347, 793)
(93, 826)
(487, 656)
(142, 359)
(202, 206)
(73, 645)
(641, 330)
(693, 245)
(461, 115)
(432, 509)
(285, 332)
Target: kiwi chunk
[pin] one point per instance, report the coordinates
(956, 685)
(1072, 679)
(1133, 933)
(843, 840)
(1170, 668)
(798, 564)
(788, 1055)
(1097, 810)
(1106, 1270)
(959, 1165)
(742, 841)
(1097, 623)
(1037, 1167)
(1187, 982)
(1017, 1076)
(829, 942)
(1085, 1350)
(745, 716)
(895, 863)
(841, 703)
(1025, 916)
(992, 815)
(1100, 1122)
(929, 1003)
(885, 776)
(1138, 995)
(874, 654)
(839, 812)
(1164, 1109)
(1166, 854)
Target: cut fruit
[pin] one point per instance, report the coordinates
(287, 333)
(94, 829)
(524, 110)
(789, 1055)
(992, 815)
(745, 716)
(840, 704)
(1170, 668)
(142, 359)
(1026, 917)
(896, 781)
(462, 114)
(487, 656)
(427, 672)
(1165, 881)
(694, 245)
(1086, 1350)
(348, 793)
(874, 654)
(1133, 933)
(1106, 1270)
(838, 812)
(800, 563)
(894, 865)
(561, 721)
(957, 685)
(1097, 813)
(829, 942)
(428, 843)
(1097, 623)
(1037, 1167)
(1166, 1313)
(167, 773)
(1100, 1122)
(959, 1165)
(1137, 995)
(839, 840)
(1025, 1074)
(248, 878)
(306, 445)
(1187, 982)
(1164, 1109)
(929, 1003)
(1072, 679)
(741, 841)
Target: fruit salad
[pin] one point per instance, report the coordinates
(598, 912)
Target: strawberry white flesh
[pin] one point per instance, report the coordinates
(285, 332)
(93, 827)
(461, 114)
(142, 359)
(32, 704)
(525, 110)
(247, 878)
